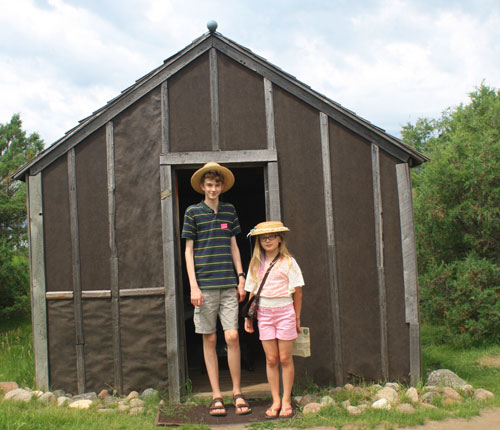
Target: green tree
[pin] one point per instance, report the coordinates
(457, 217)
(16, 148)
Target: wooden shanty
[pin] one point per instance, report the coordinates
(110, 303)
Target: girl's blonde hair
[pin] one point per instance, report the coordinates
(259, 254)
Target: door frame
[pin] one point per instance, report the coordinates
(175, 347)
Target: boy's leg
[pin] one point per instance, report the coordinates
(228, 314)
(205, 320)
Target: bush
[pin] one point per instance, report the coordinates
(465, 295)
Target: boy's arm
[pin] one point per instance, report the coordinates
(235, 252)
(196, 295)
(297, 304)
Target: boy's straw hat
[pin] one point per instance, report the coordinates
(210, 167)
(268, 227)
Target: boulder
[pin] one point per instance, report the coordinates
(80, 404)
(405, 408)
(353, 410)
(137, 403)
(482, 394)
(311, 408)
(445, 377)
(132, 395)
(450, 393)
(327, 400)
(387, 393)
(148, 393)
(412, 394)
(47, 397)
(19, 395)
(382, 404)
(62, 400)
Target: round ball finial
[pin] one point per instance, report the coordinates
(212, 26)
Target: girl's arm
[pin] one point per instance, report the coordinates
(297, 304)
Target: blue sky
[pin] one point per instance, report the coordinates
(390, 61)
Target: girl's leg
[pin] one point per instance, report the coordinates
(285, 355)
(272, 370)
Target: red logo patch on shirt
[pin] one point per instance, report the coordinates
(223, 226)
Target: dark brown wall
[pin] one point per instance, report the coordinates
(57, 230)
(98, 351)
(298, 143)
(242, 113)
(61, 343)
(350, 158)
(138, 213)
(92, 197)
(143, 343)
(189, 107)
(398, 333)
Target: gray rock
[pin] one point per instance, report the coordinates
(381, 404)
(353, 410)
(308, 398)
(335, 391)
(132, 395)
(59, 393)
(393, 385)
(429, 396)
(406, 408)
(110, 400)
(47, 397)
(86, 396)
(137, 403)
(445, 377)
(148, 393)
(450, 393)
(327, 400)
(412, 394)
(19, 395)
(387, 393)
(62, 400)
(80, 404)
(311, 408)
(481, 394)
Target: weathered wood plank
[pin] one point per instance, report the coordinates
(115, 293)
(165, 119)
(332, 252)
(202, 157)
(410, 276)
(214, 98)
(175, 361)
(38, 287)
(272, 192)
(269, 105)
(100, 294)
(77, 282)
(379, 245)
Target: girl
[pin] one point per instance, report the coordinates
(278, 314)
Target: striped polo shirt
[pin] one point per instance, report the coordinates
(211, 233)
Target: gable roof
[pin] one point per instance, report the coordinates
(248, 59)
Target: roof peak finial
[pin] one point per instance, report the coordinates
(212, 26)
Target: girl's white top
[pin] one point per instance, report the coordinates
(283, 278)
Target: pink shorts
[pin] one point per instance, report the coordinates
(277, 323)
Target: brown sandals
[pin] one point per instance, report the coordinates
(239, 406)
(217, 405)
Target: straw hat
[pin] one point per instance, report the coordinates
(210, 167)
(268, 227)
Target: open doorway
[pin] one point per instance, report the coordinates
(248, 197)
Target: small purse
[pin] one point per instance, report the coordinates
(250, 308)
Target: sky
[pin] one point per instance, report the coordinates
(389, 61)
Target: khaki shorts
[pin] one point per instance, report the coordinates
(222, 302)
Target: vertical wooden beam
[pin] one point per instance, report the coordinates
(38, 286)
(269, 105)
(214, 99)
(332, 252)
(77, 281)
(410, 276)
(165, 119)
(271, 176)
(114, 286)
(175, 361)
(379, 245)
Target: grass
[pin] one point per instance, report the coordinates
(16, 364)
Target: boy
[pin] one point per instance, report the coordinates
(212, 254)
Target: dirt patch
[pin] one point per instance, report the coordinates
(490, 360)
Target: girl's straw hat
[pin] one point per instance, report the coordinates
(268, 227)
(210, 167)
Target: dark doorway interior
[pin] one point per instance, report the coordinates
(248, 197)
